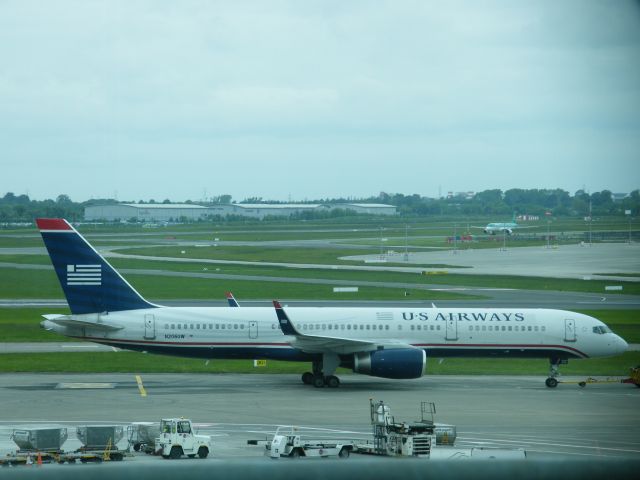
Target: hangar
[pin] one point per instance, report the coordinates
(179, 212)
(145, 212)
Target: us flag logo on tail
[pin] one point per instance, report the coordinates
(84, 275)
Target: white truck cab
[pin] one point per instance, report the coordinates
(177, 438)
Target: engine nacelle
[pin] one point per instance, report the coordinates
(393, 363)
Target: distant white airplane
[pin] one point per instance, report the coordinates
(499, 227)
(381, 342)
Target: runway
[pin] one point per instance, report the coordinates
(599, 421)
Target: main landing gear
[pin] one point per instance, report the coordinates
(554, 372)
(322, 375)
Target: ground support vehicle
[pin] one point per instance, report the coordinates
(79, 456)
(287, 442)
(634, 379)
(177, 438)
(404, 439)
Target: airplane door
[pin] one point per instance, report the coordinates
(253, 329)
(149, 327)
(569, 330)
(452, 329)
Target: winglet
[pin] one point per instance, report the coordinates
(283, 320)
(231, 299)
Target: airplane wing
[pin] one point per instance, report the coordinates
(329, 344)
(66, 321)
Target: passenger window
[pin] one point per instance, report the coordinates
(330, 327)
(438, 327)
(484, 328)
(503, 328)
(191, 326)
(179, 326)
(217, 326)
(368, 327)
(198, 326)
(173, 326)
(419, 327)
(413, 327)
(349, 327)
(166, 326)
(431, 327)
(529, 328)
(543, 328)
(510, 327)
(535, 328)
(399, 327)
(324, 326)
(386, 327)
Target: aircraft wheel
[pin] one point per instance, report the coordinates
(332, 381)
(318, 381)
(307, 378)
(551, 382)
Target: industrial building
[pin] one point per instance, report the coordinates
(145, 212)
(180, 212)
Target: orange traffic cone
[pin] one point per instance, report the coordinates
(39, 459)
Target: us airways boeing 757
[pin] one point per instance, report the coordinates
(382, 342)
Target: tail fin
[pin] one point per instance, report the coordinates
(90, 284)
(232, 300)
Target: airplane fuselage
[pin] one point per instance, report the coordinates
(250, 333)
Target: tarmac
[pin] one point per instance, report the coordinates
(598, 421)
(582, 261)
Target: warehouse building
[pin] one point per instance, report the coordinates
(145, 212)
(180, 212)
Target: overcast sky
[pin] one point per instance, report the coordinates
(316, 99)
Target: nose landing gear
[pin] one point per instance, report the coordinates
(554, 372)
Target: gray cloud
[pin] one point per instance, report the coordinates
(315, 99)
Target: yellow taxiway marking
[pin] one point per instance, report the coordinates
(143, 392)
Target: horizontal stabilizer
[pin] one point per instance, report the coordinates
(67, 321)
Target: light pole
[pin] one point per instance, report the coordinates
(406, 243)
(455, 238)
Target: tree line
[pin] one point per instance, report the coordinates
(20, 208)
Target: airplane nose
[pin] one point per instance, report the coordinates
(621, 345)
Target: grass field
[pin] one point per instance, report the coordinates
(131, 362)
(33, 284)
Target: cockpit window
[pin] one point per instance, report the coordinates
(601, 330)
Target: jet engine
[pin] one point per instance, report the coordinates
(393, 363)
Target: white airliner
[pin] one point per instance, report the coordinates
(381, 342)
(500, 227)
